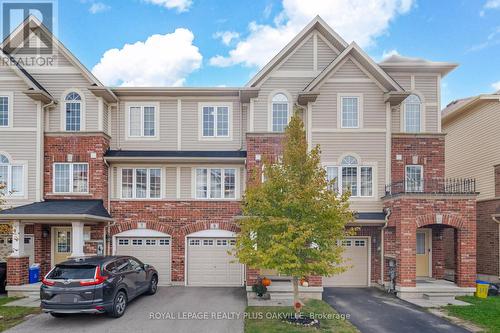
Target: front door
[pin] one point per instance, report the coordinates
(424, 247)
(62, 243)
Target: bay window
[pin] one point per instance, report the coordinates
(141, 183)
(351, 176)
(70, 178)
(11, 177)
(215, 183)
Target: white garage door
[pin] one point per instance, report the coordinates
(149, 250)
(356, 257)
(209, 264)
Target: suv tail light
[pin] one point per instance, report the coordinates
(97, 280)
(48, 282)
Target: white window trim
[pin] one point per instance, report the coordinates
(10, 114)
(374, 168)
(70, 178)
(24, 164)
(82, 110)
(421, 167)
(214, 104)
(360, 98)
(270, 108)
(134, 184)
(422, 113)
(237, 183)
(141, 105)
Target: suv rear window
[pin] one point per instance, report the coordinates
(72, 272)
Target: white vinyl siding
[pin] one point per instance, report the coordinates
(70, 178)
(215, 183)
(141, 183)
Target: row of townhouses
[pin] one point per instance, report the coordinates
(159, 173)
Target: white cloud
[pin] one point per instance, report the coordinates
(387, 54)
(268, 10)
(359, 20)
(226, 36)
(496, 86)
(98, 7)
(179, 5)
(152, 62)
(490, 4)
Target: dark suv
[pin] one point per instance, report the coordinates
(96, 285)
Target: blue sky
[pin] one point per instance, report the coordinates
(463, 31)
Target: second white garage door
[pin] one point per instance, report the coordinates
(356, 256)
(149, 250)
(209, 264)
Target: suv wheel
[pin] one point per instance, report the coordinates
(119, 305)
(153, 285)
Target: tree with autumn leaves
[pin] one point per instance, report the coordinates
(293, 220)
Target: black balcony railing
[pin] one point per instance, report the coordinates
(433, 186)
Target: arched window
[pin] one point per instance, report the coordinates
(350, 175)
(73, 107)
(11, 177)
(280, 112)
(413, 114)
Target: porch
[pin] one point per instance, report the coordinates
(61, 229)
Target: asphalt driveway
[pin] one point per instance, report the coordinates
(170, 310)
(372, 310)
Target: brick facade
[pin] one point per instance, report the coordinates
(81, 147)
(488, 238)
(17, 272)
(176, 218)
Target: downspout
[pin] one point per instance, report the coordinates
(382, 259)
(495, 218)
(42, 147)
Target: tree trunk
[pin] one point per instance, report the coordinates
(295, 284)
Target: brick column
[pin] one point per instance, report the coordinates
(406, 252)
(17, 270)
(465, 247)
(438, 254)
(252, 275)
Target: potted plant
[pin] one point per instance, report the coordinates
(260, 287)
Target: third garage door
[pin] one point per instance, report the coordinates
(356, 257)
(209, 264)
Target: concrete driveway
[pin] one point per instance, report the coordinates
(170, 310)
(372, 310)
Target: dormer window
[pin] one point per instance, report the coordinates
(413, 114)
(280, 112)
(73, 108)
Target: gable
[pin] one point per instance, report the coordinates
(349, 70)
(325, 53)
(302, 58)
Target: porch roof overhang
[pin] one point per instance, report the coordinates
(237, 156)
(58, 210)
(369, 218)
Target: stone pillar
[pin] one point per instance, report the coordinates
(77, 242)
(17, 239)
(438, 254)
(465, 247)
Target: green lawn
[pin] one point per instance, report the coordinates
(483, 312)
(12, 315)
(275, 325)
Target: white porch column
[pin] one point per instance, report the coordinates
(17, 239)
(77, 239)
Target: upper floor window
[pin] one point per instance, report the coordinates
(215, 121)
(414, 178)
(215, 183)
(142, 121)
(73, 107)
(413, 114)
(349, 111)
(11, 177)
(352, 176)
(71, 177)
(141, 183)
(4, 111)
(280, 112)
